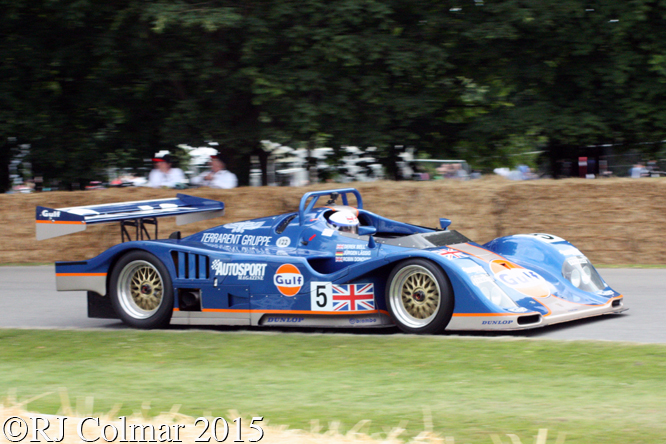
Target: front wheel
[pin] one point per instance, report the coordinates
(419, 297)
(141, 291)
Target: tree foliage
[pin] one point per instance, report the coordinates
(89, 82)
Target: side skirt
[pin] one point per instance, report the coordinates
(277, 319)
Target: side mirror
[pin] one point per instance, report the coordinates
(366, 231)
(444, 223)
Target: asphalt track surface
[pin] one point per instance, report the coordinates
(29, 300)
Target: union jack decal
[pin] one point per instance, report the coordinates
(451, 253)
(353, 297)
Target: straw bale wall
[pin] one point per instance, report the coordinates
(613, 221)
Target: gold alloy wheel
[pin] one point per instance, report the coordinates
(415, 296)
(140, 289)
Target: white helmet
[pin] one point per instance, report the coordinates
(344, 220)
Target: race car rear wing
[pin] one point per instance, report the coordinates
(52, 222)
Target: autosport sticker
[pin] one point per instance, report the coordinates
(242, 271)
(352, 253)
(236, 239)
(288, 279)
(527, 282)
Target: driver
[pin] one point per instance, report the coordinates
(344, 220)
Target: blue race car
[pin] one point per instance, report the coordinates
(306, 269)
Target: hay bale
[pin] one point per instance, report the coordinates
(613, 221)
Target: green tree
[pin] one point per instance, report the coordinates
(575, 73)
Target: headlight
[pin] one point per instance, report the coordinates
(580, 272)
(575, 277)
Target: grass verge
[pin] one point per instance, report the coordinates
(473, 388)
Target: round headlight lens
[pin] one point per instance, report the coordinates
(586, 275)
(575, 277)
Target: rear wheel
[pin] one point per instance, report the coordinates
(419, 297)
(141, 291)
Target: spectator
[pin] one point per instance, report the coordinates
(444, 170)
(638, 171)
(652, 169)
(163, 175)
(459, 172)
(218, 176)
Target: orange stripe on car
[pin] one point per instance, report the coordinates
(80, 274)
(491, 314)
(234, 310)
(69, 222)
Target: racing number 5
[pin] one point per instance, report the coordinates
(320, 296)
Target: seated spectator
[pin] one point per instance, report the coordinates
(164, 176)
(218, 176)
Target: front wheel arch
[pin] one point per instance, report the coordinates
(419, 296)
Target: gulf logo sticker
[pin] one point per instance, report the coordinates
(527, 282)
(288, 279)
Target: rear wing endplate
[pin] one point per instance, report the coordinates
(52, 222)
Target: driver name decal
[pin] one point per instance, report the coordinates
(352, 253)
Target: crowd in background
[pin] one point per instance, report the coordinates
(165, 175)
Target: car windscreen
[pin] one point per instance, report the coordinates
(444, 238)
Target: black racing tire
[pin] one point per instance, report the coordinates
(141, 290)
(419, 297)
